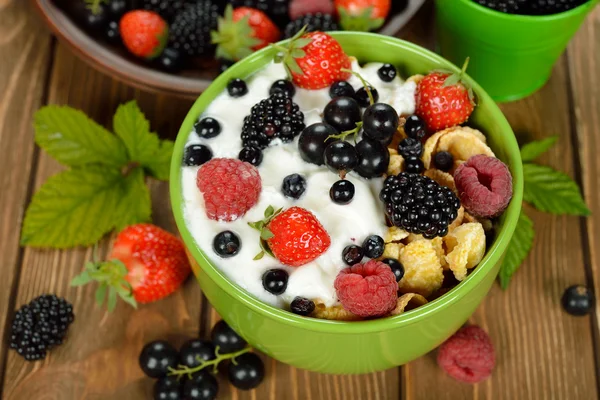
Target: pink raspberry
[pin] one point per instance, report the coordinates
(298, 8)
(468, 356)
(484, 185)
(230, 188)
(367, 290)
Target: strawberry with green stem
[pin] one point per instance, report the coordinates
(362, 15)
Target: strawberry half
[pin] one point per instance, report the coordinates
(144, 33)
(146, 264)
(314, 60)
(444, 100)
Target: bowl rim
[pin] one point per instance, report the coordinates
(582, 8)
(492, 256)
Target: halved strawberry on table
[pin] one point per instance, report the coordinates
(362, 15)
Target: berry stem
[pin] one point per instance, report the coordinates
(366, 84)
(463, 70)
(94, 5)
(343, 135)
(185, 370)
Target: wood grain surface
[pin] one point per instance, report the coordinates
(542, 352)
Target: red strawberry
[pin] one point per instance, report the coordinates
(314, 60)
(242, 31)
(146, 264)
(294, 237)
(362, 15)
(444, 100)
(144, 33)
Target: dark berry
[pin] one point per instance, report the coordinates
(202, 386)
(342, 113)
(224, 65)
(293, 186)
(547, 7)
(380, 122)
(116, 8)
(113, 34)
(387, 72)
(190, 31)
(275, 281)
(313, 22)
(352, 254)
(342, 192)
(340, 156)
(276, 117)
(578, 300)
(252, 155)
(93, 22)
(414, 127)
(237, 87)
(313, 140)
(156, 358)
(413, 165)
(302, 306)
(396, 266)
(195, 350)
(443, 161)
(226, 338)
(341, 89)
(373, 158)
(410, 147)
(247, 372)
(284, 86)
(167, 388)
(362, 97)
(226, 244)
(196, 154)
(277, 10)
(167, 9)
(373, 246)
(418, 204)
(170, 60)
(207, 128)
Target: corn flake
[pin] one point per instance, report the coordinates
(466, 248)
(395, 234)
(441, 177)
(392, 250)
(460, 217)
(396, 164)
(407, 302)
(423, 272)
(463, 143)
(337, 313)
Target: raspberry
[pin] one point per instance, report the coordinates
(299, 8)
(468, 356)
(484, 186)
(230, 188)
(367, 290)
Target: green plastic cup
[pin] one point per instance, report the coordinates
(511, 56)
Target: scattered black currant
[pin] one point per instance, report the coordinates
(226, 338)
(373, 246)
(342, 113)
(313, 140)
(275, 281)
(341, 89)
(443, 161)
(284, 86)
(302, 306)
(237, 87)
(156, 358)
(340, 157)
(170, 60)
(578, 300)
(194, 351)
(415, 128)
(202, 386)
(167, 388)
(116, 8)
(113, 34)
(207, 128)
(352, 254)
(413, 165)
(387, 72)
(197, 154)
(247, 372)
(396, 266)
(252, 155)
(380, 122)
(293, 186)
(226, 244)
(362, 97)
(373, 158)
(342, 192)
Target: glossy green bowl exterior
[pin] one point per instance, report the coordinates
(511, 56)
(366, 346)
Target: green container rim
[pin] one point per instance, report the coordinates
(493, 255)
(583, 8)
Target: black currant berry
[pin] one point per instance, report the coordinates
(247, 372)
(207, 128)
(167, 388)
(413, 165)
(302, 306)
(352, 254)
(414, 127)
(410, 147)
(387, 72)
(340, 156)
(380, 122)
(156, 358)
(237, 88)
(202, 386)
(112, 33)
(373, 158)
(342, 113)
(396, 266)
(252, 155)
(293, 186)
(341, 89)
(313, 140)
(342, 192)
(170, 60)
(117, 8)
(284, 86)
(197, 154)
(443, 161)
(275, 281)
(195, 350)
(226, 244)
(373, 246)
(362, 97)
(226, 338)
(578, 300)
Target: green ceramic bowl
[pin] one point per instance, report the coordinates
(366, 346)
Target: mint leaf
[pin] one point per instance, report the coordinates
(134, 205)
(159, 165)
(533, 150)
(73, 139)
(517, 249)
(552, 191)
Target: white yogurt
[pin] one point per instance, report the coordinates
(345, 224)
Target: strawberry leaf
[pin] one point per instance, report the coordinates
(266, 234)
(101, 294)
(82, 279)
(362, 21)
(301, 43)
(533, 150)
(259, 256)
(112, 299)
(269, 211)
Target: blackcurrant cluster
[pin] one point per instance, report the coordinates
(190, 372)
(40, 325)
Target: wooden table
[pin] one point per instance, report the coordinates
(543, 353)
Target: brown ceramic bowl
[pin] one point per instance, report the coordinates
(115, 61)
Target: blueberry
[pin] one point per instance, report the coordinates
(373, 246)
(342, 113)
(443, 161)
(380, 122)
(170, 60)
(207, 128)
(226, 338)
(293, 186)
(226, 244)
(195, 350)
(196, 154)
(275, 281)
(237, 87)
(284, 86)
(156, 358)
(341, 88)
(252, 155)
(387, 72)
(202, 386)
(352, 254)
(302, 306)
(396, 266)
(167, 388)
(414, 127)
(313, 140)
(362, 97)
(247, 372)
(578, 300)
(342, 192)
(413, 165)
(340, 157)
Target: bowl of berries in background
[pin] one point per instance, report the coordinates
(292, 333)
(179, 46)
(514, 44)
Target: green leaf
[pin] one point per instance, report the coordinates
(269, 211)
(298, 53)
(101, 294)
(159, 165)
(362, 21)
(266, 234)
(129, 299)
(82, 279)
(552, 191)
(293, 65)
(112, 299)
(451, 80)
(73, 139)
(302, 42)
(533, 150)
(134, 205)
(517, 249)
(259, 256)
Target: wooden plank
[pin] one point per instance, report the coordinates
(25, 49)
(99, 358)
(542, 353)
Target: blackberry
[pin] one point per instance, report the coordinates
(277, 10)
(167, 9)
(506, 6)
(276, 117)
(190, 31)
(547, 7)
(40, 325)
(313, 22)
(418, 204)
(410, 147)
